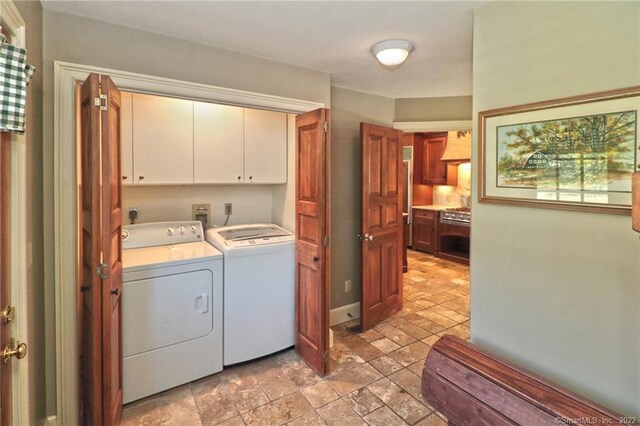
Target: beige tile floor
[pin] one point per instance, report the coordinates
(374, 377)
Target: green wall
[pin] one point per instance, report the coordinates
(451, 108)
(348, 109)
(558, 292)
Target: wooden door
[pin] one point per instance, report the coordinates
(265, 146)
(312, 238)
(101, 252)
(381, 223)
(5, 273)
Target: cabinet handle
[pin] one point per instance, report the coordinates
(124, 177)
(141, 177)
(250, 177)
(239, 177)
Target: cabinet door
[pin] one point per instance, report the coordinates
(433, 169)
(162, 140)
(265, 146)
(218, 143)
(425, 232)
(126, 138)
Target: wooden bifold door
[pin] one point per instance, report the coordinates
(312, 238)
(100, 252)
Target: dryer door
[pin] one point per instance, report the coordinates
(166, 310)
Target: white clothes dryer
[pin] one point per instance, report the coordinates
(171, 307)
(259, 289)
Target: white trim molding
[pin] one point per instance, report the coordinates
(432, 126)
(344, 313)
(66, 78)
(15, 26)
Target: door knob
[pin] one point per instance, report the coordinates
(14, 349)
(316, 258)
(365, 237)
(115, 292)
(8, 314)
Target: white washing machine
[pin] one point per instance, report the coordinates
(171, 307)
(259, 289)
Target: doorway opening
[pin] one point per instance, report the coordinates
(435, 260)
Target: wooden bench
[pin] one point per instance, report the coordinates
(471, 387)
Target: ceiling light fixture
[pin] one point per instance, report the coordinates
(392, 52)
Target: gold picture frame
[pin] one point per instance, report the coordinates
(575, 153)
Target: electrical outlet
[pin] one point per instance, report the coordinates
(228, 208)
(347, 286)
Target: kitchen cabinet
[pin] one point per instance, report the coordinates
(425, 230)
(162, 140)
(218, 143)
(434, 171)
(265, 146)
(126, 138)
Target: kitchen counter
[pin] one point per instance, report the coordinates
(432, 207)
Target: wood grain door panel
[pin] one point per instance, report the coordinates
(312, 226)
(101, 216)
(382, 195)
(111, 210)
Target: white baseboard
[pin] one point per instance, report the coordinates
(51, 421)
(341, 314)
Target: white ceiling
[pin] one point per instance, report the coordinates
(330, 36)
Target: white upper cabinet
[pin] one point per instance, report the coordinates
(126, 139)
(162, 140)
(265, 146)
(175, 141)
(218, 143)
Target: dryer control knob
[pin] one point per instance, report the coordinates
(182, 230)
(170, 231)
(193, 229)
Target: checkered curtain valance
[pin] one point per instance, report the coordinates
(14, 77)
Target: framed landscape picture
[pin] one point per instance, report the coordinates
(575, 153)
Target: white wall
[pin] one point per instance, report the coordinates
(557, 292)
(251, 203)
(284, 196)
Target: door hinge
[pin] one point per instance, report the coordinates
(325, 241)
(102, 269)
(101, 102)
(325, 356)
(325, 126)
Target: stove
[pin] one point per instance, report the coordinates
(457, 215)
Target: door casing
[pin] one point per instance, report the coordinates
(63, 204)
(13, 23)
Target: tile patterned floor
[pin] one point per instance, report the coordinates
(374, 379)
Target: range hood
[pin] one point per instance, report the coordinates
(458, 147)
